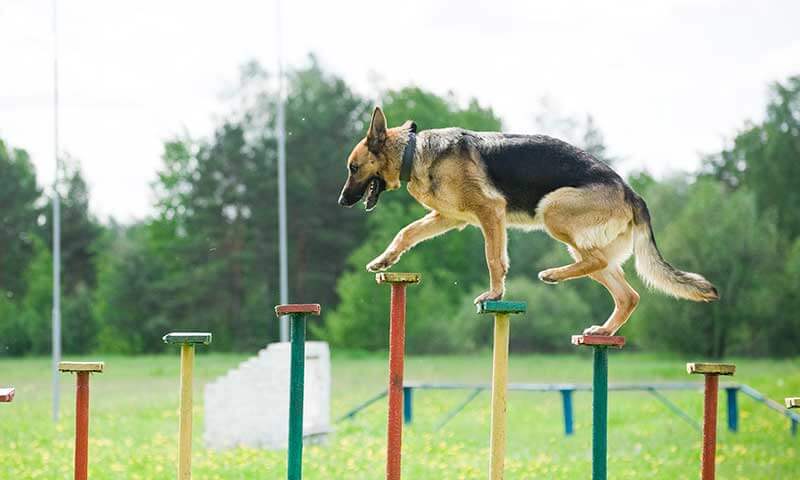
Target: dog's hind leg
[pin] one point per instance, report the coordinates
(429, 226)
(625, 300)
(587, 220)
(588, 262)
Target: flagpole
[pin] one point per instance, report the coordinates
(56, 226)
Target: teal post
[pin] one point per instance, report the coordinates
(297, 327)
(599, 398)
(600, 414)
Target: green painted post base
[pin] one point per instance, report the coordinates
(600, 414)
(298, 332)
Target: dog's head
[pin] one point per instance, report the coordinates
(372, 166)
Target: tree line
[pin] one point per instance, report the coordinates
(207, 257)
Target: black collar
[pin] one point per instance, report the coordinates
(408, 157)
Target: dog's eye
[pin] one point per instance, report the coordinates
(353, 168)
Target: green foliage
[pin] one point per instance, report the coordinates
(765, 157)
(19, 194)
(722, 236)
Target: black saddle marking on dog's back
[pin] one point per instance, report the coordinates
(525, 168)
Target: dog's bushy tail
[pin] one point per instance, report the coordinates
(654, 270)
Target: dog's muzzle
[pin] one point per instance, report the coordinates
(369, 190)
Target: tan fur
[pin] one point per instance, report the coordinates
(596, 223)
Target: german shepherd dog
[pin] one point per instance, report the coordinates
(533, 182)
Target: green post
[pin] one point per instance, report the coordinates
(298, 332)
(600, 414)
(599, 398)
(297, 327)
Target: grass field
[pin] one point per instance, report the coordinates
(134, 423)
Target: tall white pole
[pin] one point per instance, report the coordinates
(281, 127)
(56, 225)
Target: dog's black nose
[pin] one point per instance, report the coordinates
(342, 201)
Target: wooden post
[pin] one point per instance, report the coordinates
(397, 345)
(600, 343)
(297, 327)
(711, 371)
(82, 371)
(187, 341)
(497, 439)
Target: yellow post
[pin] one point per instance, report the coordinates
(497, 443)
(187, 341)
(185, 429)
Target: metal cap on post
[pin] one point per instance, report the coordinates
(297, 327)
(397, 346)
(7, 394)
(793, 402)
(497, 439)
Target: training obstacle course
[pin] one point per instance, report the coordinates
(187, 341)
(397, 345)
(599, 398)
(297, 327)
(82, 371)
(7, 394)
(711, 372)
(497, 440)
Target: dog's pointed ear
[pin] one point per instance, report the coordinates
(411, 125)
(376, 136)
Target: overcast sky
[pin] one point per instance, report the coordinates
(665, 81)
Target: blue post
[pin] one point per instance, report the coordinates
(733, 408)
(407, 407)
(566, 400)
(794, 427)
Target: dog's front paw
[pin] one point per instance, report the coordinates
(380, 264)
(598, 330)
(548, 276)
(490, 295)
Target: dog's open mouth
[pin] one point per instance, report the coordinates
(376, 186)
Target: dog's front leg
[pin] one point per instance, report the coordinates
(493, 225)
(429, 226)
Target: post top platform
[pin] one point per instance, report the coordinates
(711, 368)
(7, 394)
(793, 402)
(193, 338)
(500, 306)
(312, 308)
(598, 341)
(397, 277)
(91, 367)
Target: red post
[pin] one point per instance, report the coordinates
(397, 347)
(82, 426)
(397, 342)
(711, 372)
(710, 427)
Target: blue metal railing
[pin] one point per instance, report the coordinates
(567, 391)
